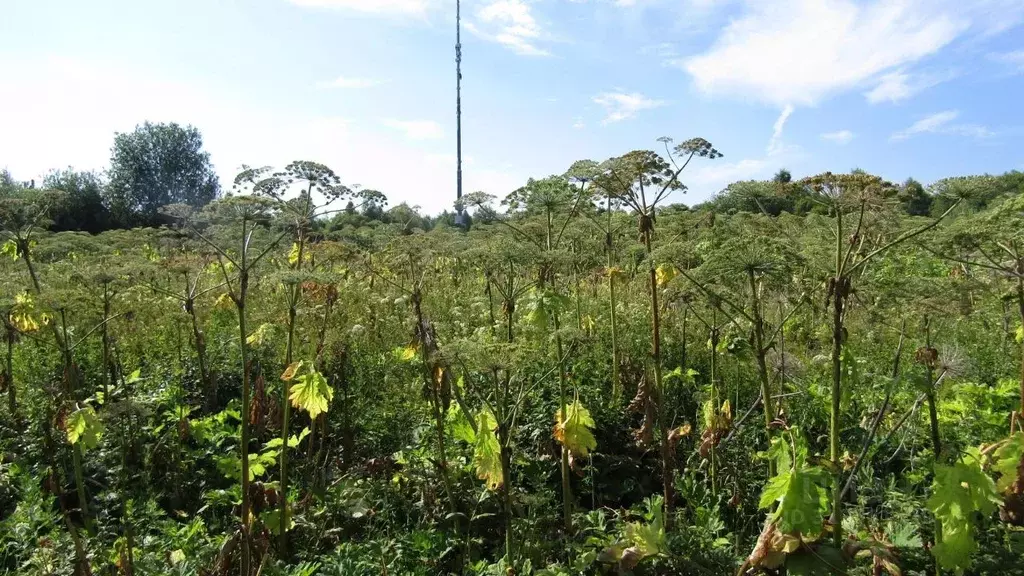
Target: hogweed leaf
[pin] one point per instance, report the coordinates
(664, 274)
(487, 452)
(1008, 461)
(84, 427)
(573, 430)
(958, 493)
(311, 393)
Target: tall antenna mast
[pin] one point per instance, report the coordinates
(458, 111)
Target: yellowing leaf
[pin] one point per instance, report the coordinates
(1008, 461)
(293, 254)
(83, 426)
(177, 557)
(260, 335)
(574, 429)
(10, 248)
(24, 315)
(223, 301)
(665, 273)
(311, 393)
(1020, 334)
(291, 371)
(407, 354)
(615, 273)
(487, 452)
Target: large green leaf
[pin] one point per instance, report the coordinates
(84, 428)
(311, 393)
(1007, 461)
(959, 492)
(799, 489)
(487, 451)
(574, 429)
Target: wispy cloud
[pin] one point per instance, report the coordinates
(839, 137)
(763, 54)
(416, 129)
(775, 145)
(350, 82)
(942, 123)
(578, 123)
(1014, 60)
(900, 85)
(391, 7)
(510, 23)
(620, 106)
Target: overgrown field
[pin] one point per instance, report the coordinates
(797, 377)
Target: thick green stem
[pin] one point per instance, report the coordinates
(246, 558)
(563, 401)
(762, 364)
(837, 375)
(667, 467)
(713, 464)
(12, 392)
(933, 415)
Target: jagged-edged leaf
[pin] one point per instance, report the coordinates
(24, 315)
(406, 353)
(800, 489)
(289, 373)
(458, 425)
(311, 393)
(573, 430)
(261, 334)
(272, 520)
(84, 427)
(958, 493)
(487, 451)
(293, 440)
(10, 248)
(664, 274)
(1007, 461)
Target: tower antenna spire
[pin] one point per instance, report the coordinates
(460, 218)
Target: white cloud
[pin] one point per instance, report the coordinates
(620, 106)
(391, 7)
(416, 129)
(578, 123)
(350, 82)
(839, 137)
(775, 145)
(900, 85)
(1014, 60)
(941, 123)
(510, 23)
(801, 51)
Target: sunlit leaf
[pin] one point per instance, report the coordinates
(487, 451)
(289, 373)
(311, 393)
(665, 273)
(84, 427)
(958, 493)
(1007, 461)
(573, 430)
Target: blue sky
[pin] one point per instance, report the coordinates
(922, 88)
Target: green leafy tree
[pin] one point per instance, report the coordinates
(82, 205)
(156, 165)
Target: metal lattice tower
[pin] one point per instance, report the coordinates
(460, 220)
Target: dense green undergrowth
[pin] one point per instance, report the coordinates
(588, 383)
